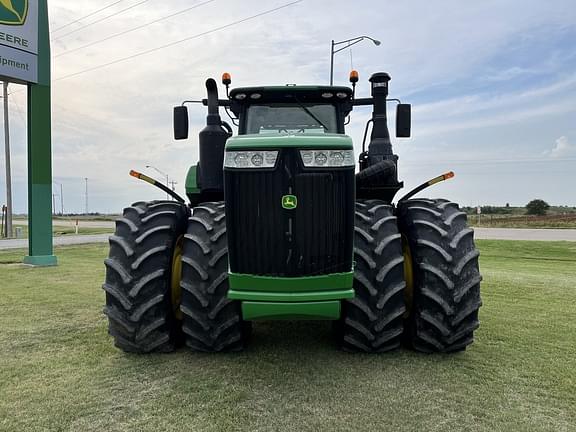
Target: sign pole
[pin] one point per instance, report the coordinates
(40, 247)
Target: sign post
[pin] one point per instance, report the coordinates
(25, 58)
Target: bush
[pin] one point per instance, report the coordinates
(537, 207)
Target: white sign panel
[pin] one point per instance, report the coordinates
(19, 40)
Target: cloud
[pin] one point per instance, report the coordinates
(562, 148)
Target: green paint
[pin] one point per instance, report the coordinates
(41, 260)
(330, 282)
(334, 286)
(289, 202)
(43, 44)
(328, 310)
(308, 141)
(291, 297)
(192, 181)
(40, 248)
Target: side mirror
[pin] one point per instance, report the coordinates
(403, 120)
(180, 122)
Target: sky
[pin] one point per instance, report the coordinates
(492, 85)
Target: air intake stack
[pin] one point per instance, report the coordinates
(378, 166)
(380, 147)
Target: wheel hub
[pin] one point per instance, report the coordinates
(175, 290)
(408, 276)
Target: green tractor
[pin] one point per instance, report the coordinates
(279, 226)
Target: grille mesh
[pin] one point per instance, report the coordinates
(313, 239)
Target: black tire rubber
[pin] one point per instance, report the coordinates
(211, 321)
(139, 306)
(446, 295)
(373, 320)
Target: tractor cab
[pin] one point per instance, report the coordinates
(282, 110)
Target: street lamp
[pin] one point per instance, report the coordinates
(349, 43)
(162, 173)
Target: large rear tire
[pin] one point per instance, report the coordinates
(373, 320)
(139, 306)
(446, 277)
(211, 321)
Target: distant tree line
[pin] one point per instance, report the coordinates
(536, 207)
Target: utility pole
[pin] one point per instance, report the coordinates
(8, 169)
(61, 197)
(173, 183)
(86, 195)
(163, 174)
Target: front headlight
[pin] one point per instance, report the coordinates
(250, 159)
(327, 158)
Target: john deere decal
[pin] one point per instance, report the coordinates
(13, 12)
(289, 202)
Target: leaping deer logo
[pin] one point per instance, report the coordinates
(13, 12)
(289, 202)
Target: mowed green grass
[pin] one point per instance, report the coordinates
(60, 371)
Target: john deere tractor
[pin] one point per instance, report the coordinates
(278, 225)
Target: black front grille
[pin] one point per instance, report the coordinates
(313, 239)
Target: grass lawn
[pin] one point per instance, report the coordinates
(60, 371)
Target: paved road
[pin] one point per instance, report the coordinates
(58, 241)
(479, 233)
(72, 223)
(525, 234)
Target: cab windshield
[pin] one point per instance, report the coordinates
(292, 118)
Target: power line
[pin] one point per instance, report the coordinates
(133, 29)
(489, 161)
(100, 20)
(86, 16)
(177, 42)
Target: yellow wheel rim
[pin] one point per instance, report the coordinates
(176, 277)
(408, 277)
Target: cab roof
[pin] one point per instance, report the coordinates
(285, 93)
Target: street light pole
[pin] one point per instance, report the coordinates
(8, 168)
(349, 43)
(332, 63)
(162, 173)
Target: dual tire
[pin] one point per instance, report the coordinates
(428, 244)
(152, 308)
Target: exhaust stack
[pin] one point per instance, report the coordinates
(212, 143)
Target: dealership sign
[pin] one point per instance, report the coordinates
(19, 40)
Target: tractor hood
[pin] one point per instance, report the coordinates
(307, 141)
